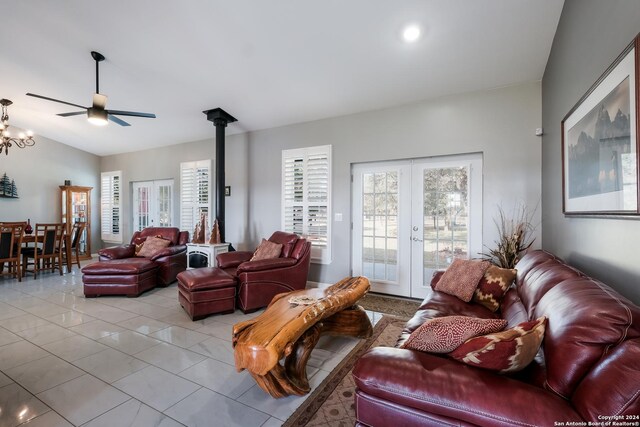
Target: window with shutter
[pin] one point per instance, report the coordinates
(306, 197)
(110, 206)
(195, 195)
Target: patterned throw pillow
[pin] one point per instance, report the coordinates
(462, 277)
(445, 334)
(152, 246)
(493, 285)
(138, 242)
(507, 351)
(267, 250)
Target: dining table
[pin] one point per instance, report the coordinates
(32, 238)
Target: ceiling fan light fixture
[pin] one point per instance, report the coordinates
(97, 114)
(97, 117)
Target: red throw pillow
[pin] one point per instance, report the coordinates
(462, 277)
(444, 334)
(493, 285)
(153, 245)
(507, 351)
(267, 250)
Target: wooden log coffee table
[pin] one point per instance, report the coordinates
(291, 330)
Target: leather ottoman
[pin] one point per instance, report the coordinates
(205, 291)
(130, 277)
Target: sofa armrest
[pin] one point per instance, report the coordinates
(183, 238)
(169, 251)
(448, 388)
(233, 259)
(437, 275)
(118, 252)
(266, 264)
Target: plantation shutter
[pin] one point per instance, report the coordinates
(195, 197)
(110, 206)
(306, 197)
(293, 190)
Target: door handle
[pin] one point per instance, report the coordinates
(415, 239)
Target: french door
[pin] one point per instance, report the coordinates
(152, 204)
(413, 217)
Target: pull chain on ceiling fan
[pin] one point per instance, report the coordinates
(97, 114)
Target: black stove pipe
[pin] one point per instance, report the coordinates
(220, 119)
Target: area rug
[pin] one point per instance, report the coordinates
(332, 402)
(401, 307)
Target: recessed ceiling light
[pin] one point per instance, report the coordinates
(411, 33)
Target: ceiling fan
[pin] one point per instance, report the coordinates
(97, 114)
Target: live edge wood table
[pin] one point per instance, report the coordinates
(292, 330)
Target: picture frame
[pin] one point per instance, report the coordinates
(227, 191)
(600, 143)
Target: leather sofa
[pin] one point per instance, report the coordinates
(170, 260)
(259, 281)
(587, 369)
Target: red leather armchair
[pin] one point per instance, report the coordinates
(171, 260)
(259, 281)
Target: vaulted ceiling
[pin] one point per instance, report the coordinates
(268, 63)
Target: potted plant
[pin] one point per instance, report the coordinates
(515, 236)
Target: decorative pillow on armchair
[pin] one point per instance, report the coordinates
(444, 334)
(493, 285)
(267, 250)
(153, 245)
(138, 242)
(462, 277)
(507, 351)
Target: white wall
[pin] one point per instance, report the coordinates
(590, 35)
(164, 163)
(38, 172)
(499, 123)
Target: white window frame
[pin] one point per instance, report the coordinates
(320, 253)
(111, 206)
(191, 199)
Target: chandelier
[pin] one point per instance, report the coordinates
(21, 141)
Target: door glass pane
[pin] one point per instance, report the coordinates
(380, 225)
(164, 205)
(142, 219)
(446, 217)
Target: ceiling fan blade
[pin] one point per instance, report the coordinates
(55, 100)
(117, 120)
(99, 100)
(75, 113)
(132, 114)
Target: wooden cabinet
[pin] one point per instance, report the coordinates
(76, 207)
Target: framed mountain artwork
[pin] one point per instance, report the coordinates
(600, 143)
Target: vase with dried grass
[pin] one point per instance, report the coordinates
(515, 236)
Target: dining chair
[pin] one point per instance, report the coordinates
(10, 244)
(47, 250)
(74, 246)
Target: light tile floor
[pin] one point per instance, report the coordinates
(109, 361)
